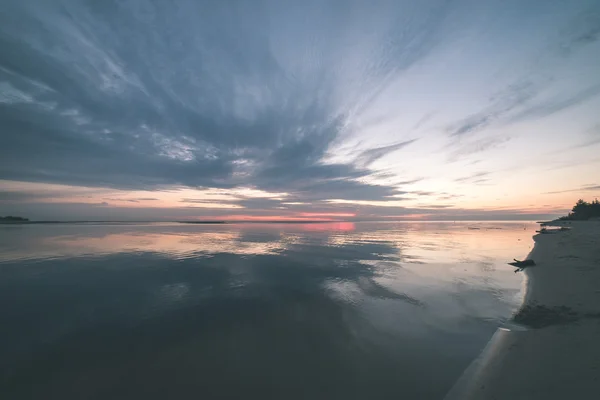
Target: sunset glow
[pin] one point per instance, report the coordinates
(486, 112)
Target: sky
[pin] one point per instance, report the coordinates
(298, 110)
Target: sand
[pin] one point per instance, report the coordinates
(552, 348)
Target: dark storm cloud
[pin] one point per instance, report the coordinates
(148, 94)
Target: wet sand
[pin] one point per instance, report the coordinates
(552, 351)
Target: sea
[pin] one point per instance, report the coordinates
(341, 310)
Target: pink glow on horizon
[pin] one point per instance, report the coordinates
(327, 214)
(270, 218)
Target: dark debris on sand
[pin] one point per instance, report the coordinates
(538, 316)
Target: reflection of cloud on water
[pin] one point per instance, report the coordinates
(174, 292)
(386, 261)
(373, 289)
(354, 292)
(173, 245)
(163, 303)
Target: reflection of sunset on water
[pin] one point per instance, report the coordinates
(329, 227)
(186, 244)
(171, 244)
(411, 243)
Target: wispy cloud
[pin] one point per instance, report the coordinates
(131, 200)
(521, 99)
(501, 104)
(369, 156)
(584, 30)
(553, 106)
(465, 147)
(585, 188)
(475, 177)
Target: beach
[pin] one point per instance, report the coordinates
(552, 349)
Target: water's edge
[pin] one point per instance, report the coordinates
(473, 375)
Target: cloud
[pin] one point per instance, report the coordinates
(501, 104)
(368, 157)
(446, 196)
(410, 181)
(12, 194)
(583, 31)
(424, 120)
(131, 200)
(473, 178)
(423, 193)
(434, 206)
(522, 99)
(9, 195)
(556, 105)
(117, 199)
(517, 103)
(467, 147)
(97, 98)
(152, 96)
(590, 188)
(592, 139)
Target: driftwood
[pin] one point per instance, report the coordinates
(546, 230)
(521, 265)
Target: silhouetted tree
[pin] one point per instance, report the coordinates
(582, 210)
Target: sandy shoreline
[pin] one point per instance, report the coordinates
(553, 349)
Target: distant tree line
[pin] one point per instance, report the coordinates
(10, 218)
(583, 211)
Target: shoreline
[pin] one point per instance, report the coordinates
(569, 285)
(550, 349)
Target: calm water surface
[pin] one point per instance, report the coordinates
(169, 311)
